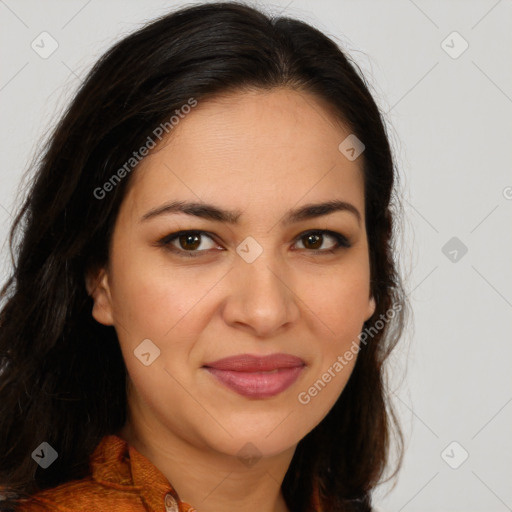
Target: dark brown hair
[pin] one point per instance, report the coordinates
(63, 376)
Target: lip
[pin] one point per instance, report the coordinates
(256, 376)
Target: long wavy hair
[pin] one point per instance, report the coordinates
(62, 377)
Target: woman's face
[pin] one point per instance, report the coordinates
(253, 283)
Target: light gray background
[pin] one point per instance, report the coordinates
(450, 121)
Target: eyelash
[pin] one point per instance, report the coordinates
(342, 242)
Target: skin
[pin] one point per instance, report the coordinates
(262, 153)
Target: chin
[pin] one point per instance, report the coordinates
(267, 439)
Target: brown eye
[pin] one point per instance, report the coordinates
(313, 240)
(189, 241)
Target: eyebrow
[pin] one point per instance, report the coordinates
(214, 213)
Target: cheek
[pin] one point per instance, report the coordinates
(338, 299)
(151, 299)
(338, 303)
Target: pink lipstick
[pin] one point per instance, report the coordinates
(256, 376)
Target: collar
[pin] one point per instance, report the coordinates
(116, 464)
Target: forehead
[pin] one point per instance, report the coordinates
(259, 147)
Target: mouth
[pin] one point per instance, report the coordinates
(255, 376)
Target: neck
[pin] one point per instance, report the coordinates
(208, 480)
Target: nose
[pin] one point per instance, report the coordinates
(260, 297)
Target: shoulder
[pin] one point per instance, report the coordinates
(84, 495)
(108, 486)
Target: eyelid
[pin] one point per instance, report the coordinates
(342, 241)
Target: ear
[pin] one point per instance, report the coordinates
(371, 308)
(97, 286)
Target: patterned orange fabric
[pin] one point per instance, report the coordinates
(121, 480)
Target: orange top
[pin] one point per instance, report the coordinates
(121, 480)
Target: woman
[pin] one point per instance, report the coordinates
(204, 291)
